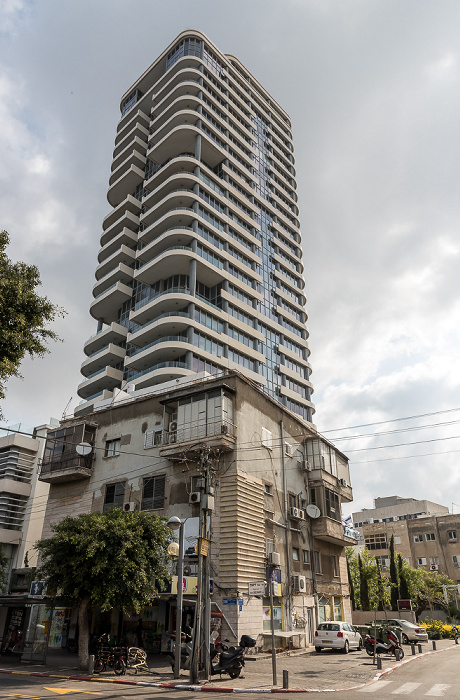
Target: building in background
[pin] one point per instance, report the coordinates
(200, 263)
(269, 488)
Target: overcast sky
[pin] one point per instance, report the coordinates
(372, 88)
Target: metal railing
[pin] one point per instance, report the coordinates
(197, 431)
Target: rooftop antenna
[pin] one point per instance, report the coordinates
(65, 409)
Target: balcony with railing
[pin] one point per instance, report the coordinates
(220, 433)
(68, 467)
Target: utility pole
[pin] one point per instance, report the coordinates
(200, 662)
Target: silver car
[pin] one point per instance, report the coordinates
(409, 631)
(337, 635)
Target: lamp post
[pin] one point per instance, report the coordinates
(176, 523)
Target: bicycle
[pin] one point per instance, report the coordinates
(136, 660)
(114, 657)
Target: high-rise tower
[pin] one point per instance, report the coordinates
(200, 261)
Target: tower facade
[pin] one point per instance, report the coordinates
(200, 261)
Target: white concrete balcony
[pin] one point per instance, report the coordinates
(171, 238)
(127, 183)
(163, 302)
(133, 154)
(169, 323)
(119, 273)
(107, 378)
(128, 123)
(181, 217)
(114, 333)
(126, 237)
(158, 351)
(106, 305)
(178, 181)
(182, 198)
(158, 374)
(218, 434)
(129, 204)
(183, 163)
(332, 531)
(110, 355)
(138, 131)
(122, 255)
(126, 222)
(181, 139)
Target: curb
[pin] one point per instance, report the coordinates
(223, 689)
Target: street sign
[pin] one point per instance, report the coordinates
(256, 587)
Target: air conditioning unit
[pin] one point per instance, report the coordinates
(294, 512)
(194, 497)
(130, 507)
(302, 514)
(274, 559)
(173, 426)
(434, 567)
(224, 429)
(289, 449)
(343, 482)
(299, 584)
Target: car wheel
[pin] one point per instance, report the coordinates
(360, 645)
(318, 650)
(346, 647)
(405, 639)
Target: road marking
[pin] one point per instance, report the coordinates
(406, 689)
(373, 688)
(63, 691)
(16, 695)
(438, 690)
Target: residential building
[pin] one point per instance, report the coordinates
(273, 506)
(200, 262)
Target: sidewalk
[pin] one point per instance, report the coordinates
(307, 670)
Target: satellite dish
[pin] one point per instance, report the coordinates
(84, 448)
(313, 511)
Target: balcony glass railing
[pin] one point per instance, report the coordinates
(166, 250)
(167, 338)
(173, 290)
(134, 374)
(134, 327)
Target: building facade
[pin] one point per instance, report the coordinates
(272, 501)
(200, 262)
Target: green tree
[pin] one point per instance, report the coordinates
(4, 561)
(109, 560)
(425, 588)
(350, 581)
(403, 588)
(393, 576)
(24, 315)
(363, 584)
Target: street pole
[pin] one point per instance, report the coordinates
(272, 627)
(180, 580)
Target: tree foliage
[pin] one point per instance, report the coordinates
(3, 569)
(110, 560)
(24, 315)
(393, 576)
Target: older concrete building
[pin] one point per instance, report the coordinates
(272, 501)
(200, 262)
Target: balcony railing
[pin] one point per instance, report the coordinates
(197, 431)
(67, 468)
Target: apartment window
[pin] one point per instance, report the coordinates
(430, 537)
(114, 496)
(332, 504)
(305, 556)
(456, 560)
(112, 448)
(452, 535)
(383, 561)
(152, 438)
(153, 493)
(377, 541)
(268, 489)
(335, 565)
(317, 561)
(418, 538)
(295, 554)
(421, 561)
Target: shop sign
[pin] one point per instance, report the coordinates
(37, 589)
(256, 587)
(189, 585)
(404, 605)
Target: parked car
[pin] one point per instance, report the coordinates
(409, 631)
(337, 635)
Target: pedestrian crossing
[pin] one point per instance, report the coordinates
(392, 688)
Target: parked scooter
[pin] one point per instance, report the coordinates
(231, 659)
(185, 651)
(371, 644)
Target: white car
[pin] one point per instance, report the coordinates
(337, 635)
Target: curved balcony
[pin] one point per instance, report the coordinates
(110, 355)
(123, 254)
(178, 181)
(114, 333)
(107, 378)
(182, 139)
(182, 217)
(107, 304)
(184, 98)
(180, 74)
(163, 302)
(127, 183)
(133, 154)
(171, 238)
(120, 273)
(158, 374)
(138, 133)
(166, 323)
(180, 163)
(126, 237)
(125, 126)
(178, 199)
(129, 204)
(173, 261)
(158, 351)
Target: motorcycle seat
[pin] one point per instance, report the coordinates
(227, 655)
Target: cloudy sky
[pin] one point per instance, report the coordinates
(372, 87)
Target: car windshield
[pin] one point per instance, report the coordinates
(327, 626)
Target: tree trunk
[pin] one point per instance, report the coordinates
(83, 638)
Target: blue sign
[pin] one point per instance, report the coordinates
(240, 601)
(229, 601)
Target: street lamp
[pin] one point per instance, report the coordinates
(176, 523)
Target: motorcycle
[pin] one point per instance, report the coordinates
(185, 652)
(231, 659)
(379, 647)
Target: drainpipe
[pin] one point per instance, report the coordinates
(287, 533)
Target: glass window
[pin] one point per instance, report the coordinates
(317, 561)
(452, 535)
(112, 448)
(114, 496)
(305, 556)
(430, 537)
(295, 554)
(153, 493)
(335, 565)
(418, 538)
